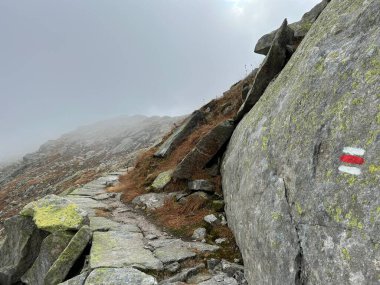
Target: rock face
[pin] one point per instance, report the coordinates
(20, 248)
(205, 150)
(274, 62)
(300, 29)
(51, 248)
(61, 267)
(297, 216)
(180, 134)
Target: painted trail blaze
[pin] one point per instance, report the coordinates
(353, 156)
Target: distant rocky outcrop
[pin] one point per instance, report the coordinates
(301, 172)
(78, 157)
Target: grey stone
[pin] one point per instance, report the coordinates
(104, 196)
(61, 267)
(300, 29)
(51, 248)
(184, 274)
(210, 219)
(199, 278)
(201, 185)
(20, 248)
(173, 267)
(172, 253)
(220, 240)
(87, 191)
(220, 279)
(121, 249)
(77, 280)
(119, 276)
(88, 204)
(180, 134)
(212, 263)
(296, 217)
(199, 234)
(151, 200)
(231, 268)
(273, 63)
(102, 224)
(205, 150)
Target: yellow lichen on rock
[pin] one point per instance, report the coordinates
(54, 213)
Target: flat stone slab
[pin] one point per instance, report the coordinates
(87, 204)
(121, 249)
(119, 276)
(170, 250)
(88, 191)
(152, 200)
(102, 224)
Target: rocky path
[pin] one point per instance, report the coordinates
(129, 249)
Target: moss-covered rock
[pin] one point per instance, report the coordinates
(53, 213)
(61, 267)
(295, 215)
(162, 180)
(51, 248)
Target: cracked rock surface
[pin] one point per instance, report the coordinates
(296, 217)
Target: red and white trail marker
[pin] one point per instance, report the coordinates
(352, 156)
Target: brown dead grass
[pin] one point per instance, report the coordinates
(181, 219)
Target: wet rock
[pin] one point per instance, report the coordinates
(20, 248)
(300, 29)
(51, 248)
(119, 276)
(201, 185)
(180, 134)
(199, 234)
(297, 216)
(53, 213)
(273, 63)
(162, 180)
(121, 249)
(61, 267)
(204, 150)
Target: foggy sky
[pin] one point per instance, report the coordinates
(65, 63)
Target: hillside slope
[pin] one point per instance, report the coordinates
(77, 158)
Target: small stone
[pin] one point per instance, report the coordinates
(212, 263)
(151, 236)
(210, 219)
(162, 180)
(220, 240)
(199, 234)
(201, 185)
(231, 268)
(173, 267)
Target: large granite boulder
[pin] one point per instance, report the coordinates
(51, 248)
(301, 174)
(20, 248)
(300, 29)
(205, 150)
(53, 213)
(180, 134)
(273, 63)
